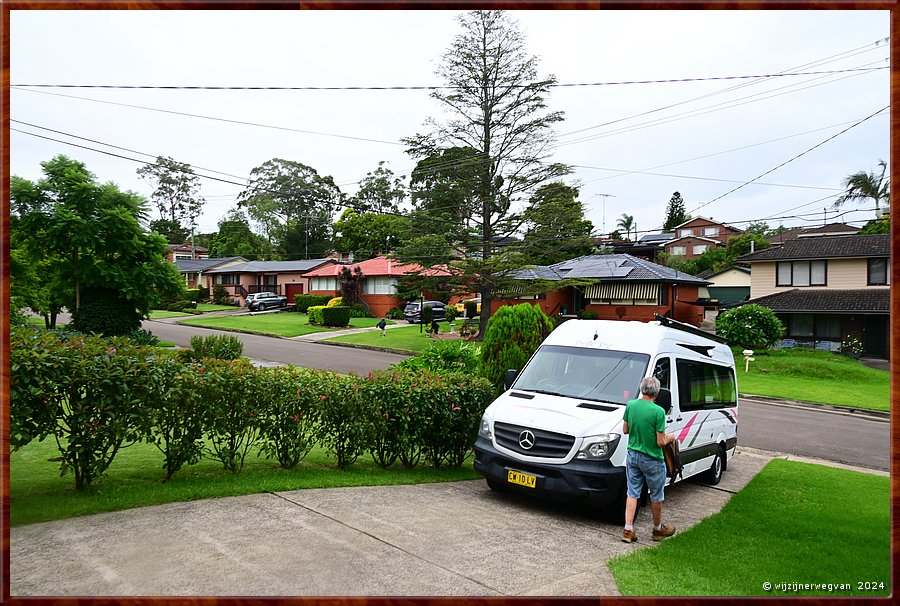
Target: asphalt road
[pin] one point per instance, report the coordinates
(852, 439)
(285, 351)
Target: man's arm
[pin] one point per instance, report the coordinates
(624, 426)
(663, 438)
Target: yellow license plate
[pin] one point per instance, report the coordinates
(522, 479)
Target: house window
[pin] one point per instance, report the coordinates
(183, 257)
(379, 286)
(323, 284)
(802, 325)
(801, 273)
(678, 250)
(710, 231)
(700, 249)
(226, 279)
(683, 233)
(191, 276)
(878, 272)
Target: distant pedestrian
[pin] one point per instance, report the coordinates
(645, 424)
(435, 329)
(383, 326)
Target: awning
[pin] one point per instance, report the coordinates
(622, 291)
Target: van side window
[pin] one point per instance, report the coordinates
(703, 385)
(662, 372)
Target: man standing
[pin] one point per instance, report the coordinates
(645, 424)
(382, 325)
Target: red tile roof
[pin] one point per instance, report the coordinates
(379, 266)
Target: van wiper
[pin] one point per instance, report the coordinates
(605, 401)
(542, 391)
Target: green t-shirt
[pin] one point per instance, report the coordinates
(644, 419)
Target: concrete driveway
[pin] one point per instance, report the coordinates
(448, 539)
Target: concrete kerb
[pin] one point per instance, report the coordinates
(881, 415)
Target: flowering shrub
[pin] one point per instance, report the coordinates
(289, 421)
(346, 417)
(852, 344)
(750, 326)
(89, 393)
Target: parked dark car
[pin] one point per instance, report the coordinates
(413, 313)
(261, 301)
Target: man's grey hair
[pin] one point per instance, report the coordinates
(650, 386)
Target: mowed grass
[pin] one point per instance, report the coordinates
(284, 324)
(793, 523)
(156, 314)
(404, 339)
(814, 376)
(39, 494)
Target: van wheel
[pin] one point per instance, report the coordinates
(714, 475)
(495, 485)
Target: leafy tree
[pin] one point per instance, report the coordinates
(758, 227)
(350, 281)
(89, 236)
(497, 107)
(876, 226)
(741, 245)
(380, 191)
(368, 235)
(294, 204)
(556, 227)
(513, 334)
(172, 231)
(675, 213)
(626, 223)
(177, 194)
(750, 326)
(236, 239)
(864, 186)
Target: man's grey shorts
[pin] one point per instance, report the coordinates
(641, 467)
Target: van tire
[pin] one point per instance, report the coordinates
(714, 475)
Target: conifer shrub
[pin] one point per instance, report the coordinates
(513, 333)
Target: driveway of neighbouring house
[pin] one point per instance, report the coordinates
(455, 538)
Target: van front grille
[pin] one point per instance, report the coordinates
(546, 443)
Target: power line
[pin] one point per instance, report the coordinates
(643, 172)
(431, 87)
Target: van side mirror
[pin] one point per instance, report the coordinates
(510, 377)
(664, 400)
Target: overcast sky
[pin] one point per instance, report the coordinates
(631, 145)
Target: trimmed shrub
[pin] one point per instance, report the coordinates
(427, 314)
(358, 310)
(346, 416)
(750, 326)
(232, 395)
(304, 302)
(220, 295)
(289, 422)
(329, 316)
(192, 295)
(221, 347)
(335, 302)
(203, 294)
(315, 315)
(174, 421)
(471, 308)
(89, 392)
(451, 313)
(105, 312)
(512, 335)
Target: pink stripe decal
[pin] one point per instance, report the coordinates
(687, 428)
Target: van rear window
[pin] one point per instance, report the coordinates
(590, 374)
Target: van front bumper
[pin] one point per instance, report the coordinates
(597, 482)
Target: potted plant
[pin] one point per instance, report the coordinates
(852, 346)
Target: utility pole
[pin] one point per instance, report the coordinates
(604, 196)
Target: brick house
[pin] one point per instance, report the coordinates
(287, 278)
(827, 289)
(381, 278)
(186, 251)
(626, 288)
(194, 270)
(696, 236)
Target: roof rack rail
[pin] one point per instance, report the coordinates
(670, 323)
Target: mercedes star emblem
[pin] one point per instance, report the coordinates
(526, 440)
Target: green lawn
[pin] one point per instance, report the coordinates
(284, 324)
(156, 314)
(788, 525)
(205, 307)
(404, 339)
(38, 493)
(814, 376)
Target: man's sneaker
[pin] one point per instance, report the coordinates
(665, 531)
(629, 536)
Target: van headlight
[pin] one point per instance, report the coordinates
(484, 430)
(598, 448)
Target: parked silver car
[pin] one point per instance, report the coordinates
(260, 301)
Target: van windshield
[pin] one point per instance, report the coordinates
(590, 374)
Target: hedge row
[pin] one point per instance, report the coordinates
(304, 302)
(322, 315)
(96, 396)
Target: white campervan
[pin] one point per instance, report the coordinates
(557, 430)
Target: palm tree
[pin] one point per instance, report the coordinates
(626, 223)
(863, 185)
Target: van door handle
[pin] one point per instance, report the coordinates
(670, 420)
